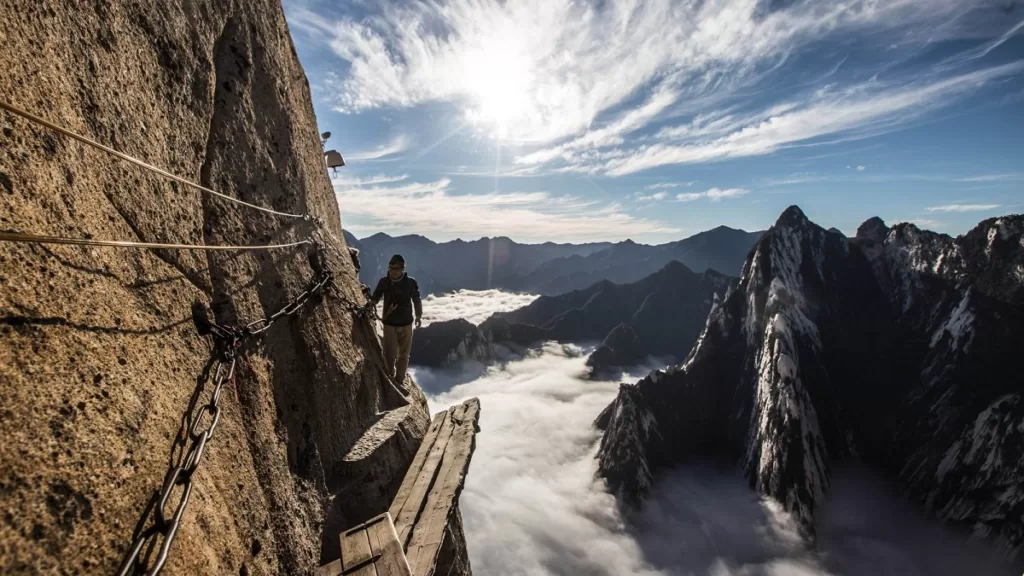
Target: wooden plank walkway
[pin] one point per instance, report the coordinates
(369, 549)
(406, 540)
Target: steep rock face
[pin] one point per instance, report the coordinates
(98, 356)
(830, 348)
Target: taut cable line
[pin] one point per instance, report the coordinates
(41, 239)
(43, 122)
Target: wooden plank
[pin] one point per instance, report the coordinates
(417, 464)
(384, 541)
(429, 531)
(410, 510)
(356, 557)
(332, 569)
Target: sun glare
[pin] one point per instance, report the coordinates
(498, 76)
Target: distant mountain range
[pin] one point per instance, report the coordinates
(898, 348)
(547, 269)
(660, 315)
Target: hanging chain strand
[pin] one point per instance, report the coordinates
(157, 528)
(159, 536)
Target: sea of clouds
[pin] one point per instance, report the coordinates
(531, 505)
(472, 305)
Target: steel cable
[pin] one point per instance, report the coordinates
(32, 117)
(42, 239)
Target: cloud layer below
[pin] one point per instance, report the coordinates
(473, 305)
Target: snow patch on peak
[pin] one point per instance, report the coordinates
(786, 367)
(959, 325)
(1004, 230)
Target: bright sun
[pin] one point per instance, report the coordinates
(498, 76)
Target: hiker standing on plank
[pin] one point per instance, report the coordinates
(401, 298)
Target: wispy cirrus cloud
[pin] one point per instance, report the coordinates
(713, 194)
(856, 112)
(368, 181)
(795, 178)
(544, 70)
(928, 224)
(962, 208)
(434, 209)
(397, 145)
(667, 185)
(656, 197)
(1007, 177)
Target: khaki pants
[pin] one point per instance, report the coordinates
(397, 344)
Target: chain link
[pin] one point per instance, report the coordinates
(157, 528)
(162, 527)
(260, 326)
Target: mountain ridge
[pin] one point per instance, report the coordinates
(664, 312)
(831, 348)
(549, 268)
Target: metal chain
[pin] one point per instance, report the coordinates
(162, 527)
(260, 326)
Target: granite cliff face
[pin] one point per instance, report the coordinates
(98, 354)
(897, 347)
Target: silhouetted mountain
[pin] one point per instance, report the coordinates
(898, 348)
(442, 343)
(663, 312)
(547, 269)
(721, 249)
(448, 266)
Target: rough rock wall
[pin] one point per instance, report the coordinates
(98, 355)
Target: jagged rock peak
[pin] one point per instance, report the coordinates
(793, 216)
(873, 228)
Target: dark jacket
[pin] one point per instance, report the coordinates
(400, 298)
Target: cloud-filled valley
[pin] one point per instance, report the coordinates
(473, 305)
(531, 505)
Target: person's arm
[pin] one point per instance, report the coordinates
(378, 292)
(417, 304)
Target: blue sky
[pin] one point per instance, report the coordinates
(591, 120)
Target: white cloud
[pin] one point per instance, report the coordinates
(347, 180)
(399, 143)
(861, 168)
(472, 305)
(713, 194)
(656, 197)
(962, 208)
(542, 70)
(666, 185)
(432, 208)
(991, 178)
(928, 224)
(797, 178)
(856, 112)
(716, 194)
(689, 196)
